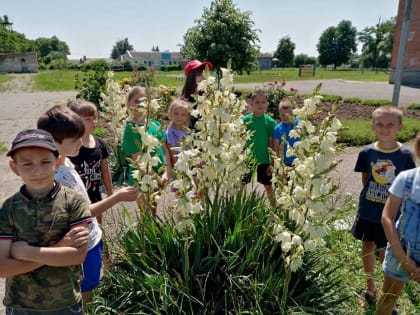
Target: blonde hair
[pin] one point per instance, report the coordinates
(388, 109)
(83, 108)
(178, 103)
(284, 102)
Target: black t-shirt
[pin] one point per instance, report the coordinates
(88, 165)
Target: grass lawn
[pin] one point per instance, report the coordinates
(63, 80)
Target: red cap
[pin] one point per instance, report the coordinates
(194, 64)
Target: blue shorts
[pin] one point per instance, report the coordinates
(92, 268)
(392, 267)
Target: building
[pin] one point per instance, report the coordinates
(265, 61)
(411, 70)
(19, 63)
(155, 59)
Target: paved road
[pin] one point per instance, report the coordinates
(364, 90)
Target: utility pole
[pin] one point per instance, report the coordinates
(401, 51)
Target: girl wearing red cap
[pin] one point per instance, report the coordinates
(194, 72)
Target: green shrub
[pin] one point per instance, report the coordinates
(376, 103)
(3, 148)
(91, 83)
(99, 132)
(330, 98)
(414, 106)
(359, 132)
(353, 100)
(226, 264)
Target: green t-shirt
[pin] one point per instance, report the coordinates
(131, 144)
(43, 222)
(262, 128)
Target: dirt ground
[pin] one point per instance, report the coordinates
(20, 108)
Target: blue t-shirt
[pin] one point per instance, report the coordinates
(284, 129)
(382, 167)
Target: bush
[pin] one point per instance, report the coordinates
(353, 100)
(90, 84)
(414, 106)
(226, 264)
(376, 103)
(330, 98)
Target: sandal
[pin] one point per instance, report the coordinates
(370, 297)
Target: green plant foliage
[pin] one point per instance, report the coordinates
(414, 106)
(99, 132)
(376, 103)
(354, 100)
(3, 148)
(359, 132)
(227, 263)
(92, 82)
(330, 98)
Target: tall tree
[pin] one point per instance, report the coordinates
(285, 52)
(13, 42)
(120, 48)
(223, 33)
(377, 44)
(337, 44)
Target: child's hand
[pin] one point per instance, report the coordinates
(18, 249)
(76, 237)
(164, 180)
(127, 194)
(269, 170)
(416, 275)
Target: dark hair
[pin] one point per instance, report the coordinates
(62, 123)
(83, 108)
(190, 85)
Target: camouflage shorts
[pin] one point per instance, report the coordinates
(76, 309)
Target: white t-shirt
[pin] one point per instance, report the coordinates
(67, 176)
(397, 187)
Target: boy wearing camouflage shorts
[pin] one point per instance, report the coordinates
(43, 233)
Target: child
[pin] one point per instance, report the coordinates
(402, 256)
(91, 163)
(67, 128)
(132, 145)
(287, 124)
(194, 74)
(179, 116)
(261, 140)
(42, 275)
(379, 163)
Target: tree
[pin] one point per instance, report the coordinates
(120, 48)
(13, 42)
(377, 43)
(336, 44)
(223, 33)
(304, 59)
(285, 52)
(49, 49)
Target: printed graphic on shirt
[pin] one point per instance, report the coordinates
(383, 172)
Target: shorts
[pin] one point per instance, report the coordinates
(92, 268)
(76, 309)
(262, 176)
(367, 231)
(392, 268)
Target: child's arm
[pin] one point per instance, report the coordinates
(51, 256)
(124, 194)
(365, 177)
(106, 176)
(10, 266)
(392, 205)
(168, 166)
(276, 146)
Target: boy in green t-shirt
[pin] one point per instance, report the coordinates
(262, 126)
(41, 264)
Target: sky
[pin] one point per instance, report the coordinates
(92, 27)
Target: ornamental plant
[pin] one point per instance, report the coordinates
(225, 250)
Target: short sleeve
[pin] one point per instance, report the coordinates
(362, 162)
(131, 140)
(78, 209)
(105, 149)
(6, 226)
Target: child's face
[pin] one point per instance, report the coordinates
(36, 167)
(386, 126)
(69, 146)
(179, 117)
(258, 105)
(90, 123)
(286, 112)
(133, 103)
